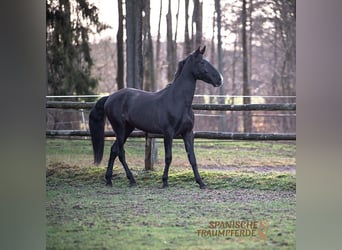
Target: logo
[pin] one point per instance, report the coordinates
(262, 229)
(246, 229)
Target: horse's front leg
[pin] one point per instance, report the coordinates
(168, 159)
(188, 139)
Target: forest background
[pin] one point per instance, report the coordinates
(251, 42)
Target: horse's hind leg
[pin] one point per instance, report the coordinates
(129, 174)
(114, 152)
(122, 157)
(189, 147)
(117, 149)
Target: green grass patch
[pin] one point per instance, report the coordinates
(82, 213)
(74, 174)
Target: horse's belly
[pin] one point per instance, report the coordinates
(145, 121)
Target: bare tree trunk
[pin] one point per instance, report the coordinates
(212, 46)
(275, 58)
(130, 19)
(120, 49)
(287, 19)
(138, 46)
(171, 59)
(177, 17)
(250, 38)
(247, 119)
(219, 37)
(159, 66)
(187, 42)
(134, 44)
(275, 76)
(284, 79)
(149, 82)
(197, 22)
(223, 124)
(234, 92)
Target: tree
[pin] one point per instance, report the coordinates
(219, 54)
(219, 37)
(250, 40)
(177, 19)
(171, 46)
(247, 119)
(134, 56)
(197, 22)
(265, 45)
(187, 42)
(68, 25)
(159, 66)
(151, 153)
(120, 48)
(285, 20)
(149, 75)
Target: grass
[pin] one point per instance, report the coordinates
(84, 214)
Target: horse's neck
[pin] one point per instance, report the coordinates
(183, 89)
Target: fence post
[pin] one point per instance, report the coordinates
(83, 120)
(149, 152)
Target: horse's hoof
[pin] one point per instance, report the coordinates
(203, 187)
(109, 184)
(133, 184)
(165, 185)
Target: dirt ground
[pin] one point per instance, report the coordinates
(254, 169)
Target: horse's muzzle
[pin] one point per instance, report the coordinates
(219, 82)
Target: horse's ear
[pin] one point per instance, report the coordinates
(198, 50)
(203, 50)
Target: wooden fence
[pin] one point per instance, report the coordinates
(220, 107)
(198, 134)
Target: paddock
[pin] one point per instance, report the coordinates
(248, 181)
(251, 180)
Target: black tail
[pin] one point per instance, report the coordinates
(96, 126)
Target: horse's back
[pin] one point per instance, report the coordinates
(116, 103)
(152, 112)
(128, 101)
(122, 96)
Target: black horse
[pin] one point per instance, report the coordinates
(166, 112)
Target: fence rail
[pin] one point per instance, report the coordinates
(218, 107)
(197, 134)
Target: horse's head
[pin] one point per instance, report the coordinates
(202, 69)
